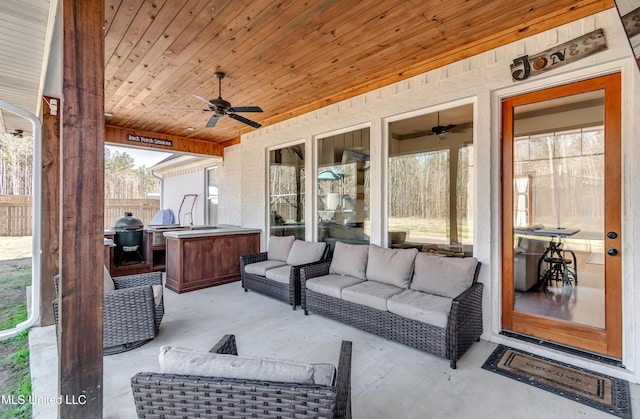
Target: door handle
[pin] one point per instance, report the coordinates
(612, 235)
(612, 252)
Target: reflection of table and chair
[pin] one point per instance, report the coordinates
(559, 267)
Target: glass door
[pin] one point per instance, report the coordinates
(561, 215)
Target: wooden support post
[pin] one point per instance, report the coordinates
(50, 205)
(82, 214)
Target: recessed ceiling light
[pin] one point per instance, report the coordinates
(108, 114)
(191, 129)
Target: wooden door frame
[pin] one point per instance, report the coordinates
(606, 341)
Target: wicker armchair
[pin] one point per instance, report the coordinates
(131, 317)
(170, 395)
(289, 293)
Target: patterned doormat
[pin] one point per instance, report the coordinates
(599, 391)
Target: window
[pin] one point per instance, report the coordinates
(430, 182)
(343, 188)
(212, 196)
(286, 191)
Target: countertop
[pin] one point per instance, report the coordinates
(221, 230)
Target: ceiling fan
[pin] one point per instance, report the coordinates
(221, 107)
(442, 129)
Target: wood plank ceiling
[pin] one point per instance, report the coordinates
(289, 56)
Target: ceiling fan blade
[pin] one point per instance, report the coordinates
(449, 127)
(246, 109)
(203, 100)
(213, 120)
(244, 120)
(187, 110)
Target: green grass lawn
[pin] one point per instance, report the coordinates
(15, 379)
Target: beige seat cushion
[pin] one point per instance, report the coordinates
(331, 284)
(305, 252)
(260, 268)
(185, 361)
(350, 259)
(279, 247)
(280, 274)
(443, 276)
(391, 266)
(370, 293)
(425, 308)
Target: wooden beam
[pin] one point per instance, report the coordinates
(82, 199)
(50, 206)
(161, 142)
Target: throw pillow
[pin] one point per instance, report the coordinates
(108, 281)
(305, 252)
(350, 259)
(279, 247)
(391, 266)
(443, 276)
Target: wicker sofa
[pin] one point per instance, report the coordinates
(133, 310)
(276, 272)
(432, 303)
(184, 391)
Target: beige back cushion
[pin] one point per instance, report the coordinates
(350, 259)
(391, 266)
(279, 247)
(443, 276)
(185, 361)
(305, 252)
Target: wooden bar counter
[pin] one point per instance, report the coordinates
(207, 257)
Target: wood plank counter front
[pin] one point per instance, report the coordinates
(204, 258)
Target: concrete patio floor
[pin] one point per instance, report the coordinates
(389, 380)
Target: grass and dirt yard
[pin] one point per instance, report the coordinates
(15, 276)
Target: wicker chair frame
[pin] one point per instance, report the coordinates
(130, 315)
(289, 293)
(464, 325)
(183, 396)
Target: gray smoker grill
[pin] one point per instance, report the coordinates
(128, 239)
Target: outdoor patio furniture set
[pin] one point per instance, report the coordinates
(430, 302)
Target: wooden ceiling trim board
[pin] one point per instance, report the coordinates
(110, 9)
(148, 24)
(479, 46)
(204, 72)
(230, 83)
(202, 46)
(355, 57)
(299, 63)
(201, 27)
(135, 67)
(119, 135)
(126, 12)
(171, 20)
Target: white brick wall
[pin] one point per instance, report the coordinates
(482, 80)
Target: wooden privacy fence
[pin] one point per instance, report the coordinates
(15, 212)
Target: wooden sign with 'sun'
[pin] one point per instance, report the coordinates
(574, 50)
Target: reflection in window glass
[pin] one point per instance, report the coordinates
(430, 182)
(212, 196)
(286, 191)
(343, 188)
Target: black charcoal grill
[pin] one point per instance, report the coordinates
(128, 239)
